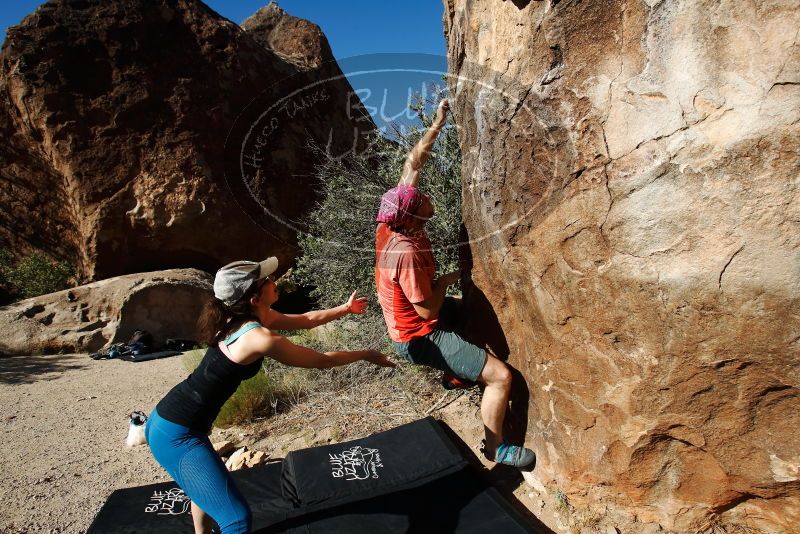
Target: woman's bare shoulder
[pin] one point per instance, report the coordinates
(254, 344)
(263, 337)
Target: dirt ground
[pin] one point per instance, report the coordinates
(65, 419)
(64, 423)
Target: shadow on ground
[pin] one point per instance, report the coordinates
(505, 479)
(30, 369)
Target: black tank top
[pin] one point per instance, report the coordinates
(196, 401)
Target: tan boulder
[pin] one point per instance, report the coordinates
(143, 135)
(257, 458)
(631, 193)
(244, 458)
(294, 39)
(238, 460)
(89, 317)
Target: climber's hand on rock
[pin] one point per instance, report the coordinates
(441, 112)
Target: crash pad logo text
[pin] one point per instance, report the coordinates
(170, 502)
(356, 463)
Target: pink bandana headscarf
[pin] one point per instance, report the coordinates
(398, 205)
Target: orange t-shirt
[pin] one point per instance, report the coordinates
(404, 273)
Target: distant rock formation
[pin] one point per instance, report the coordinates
(89, 317)
(114, 117)
(632, 195)
(294, 39)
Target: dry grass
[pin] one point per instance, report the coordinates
(562, 502)
(356, 400)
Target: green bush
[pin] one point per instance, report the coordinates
(6, 262)
(33, 275)
(338, 248)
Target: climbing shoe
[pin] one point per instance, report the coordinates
(453, 382)
(512, 455)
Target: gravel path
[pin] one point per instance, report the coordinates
(63, 422)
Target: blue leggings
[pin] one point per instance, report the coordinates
(189, 458)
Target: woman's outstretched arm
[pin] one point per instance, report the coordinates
(261, 342)
(314, 318)
(286, 352)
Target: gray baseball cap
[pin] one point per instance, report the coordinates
(232, 281)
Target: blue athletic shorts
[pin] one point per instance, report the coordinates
(446, 351)
(189, 458)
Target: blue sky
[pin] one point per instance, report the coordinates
(357, 28)
(353, 28)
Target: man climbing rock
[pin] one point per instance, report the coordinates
(411, 297)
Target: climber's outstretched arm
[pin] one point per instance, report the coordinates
(419, 154)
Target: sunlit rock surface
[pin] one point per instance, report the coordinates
(86, 318)
(630, 180)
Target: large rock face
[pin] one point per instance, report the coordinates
(632, 196)
(114, 118)
(86, 318)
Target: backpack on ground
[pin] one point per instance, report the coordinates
(141, 342)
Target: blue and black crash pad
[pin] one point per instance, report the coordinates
(408, 479)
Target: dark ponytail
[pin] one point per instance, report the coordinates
(216, 316)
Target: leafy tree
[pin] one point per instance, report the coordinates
(33, 275)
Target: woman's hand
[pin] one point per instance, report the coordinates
(379, 359)
(356, 304)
